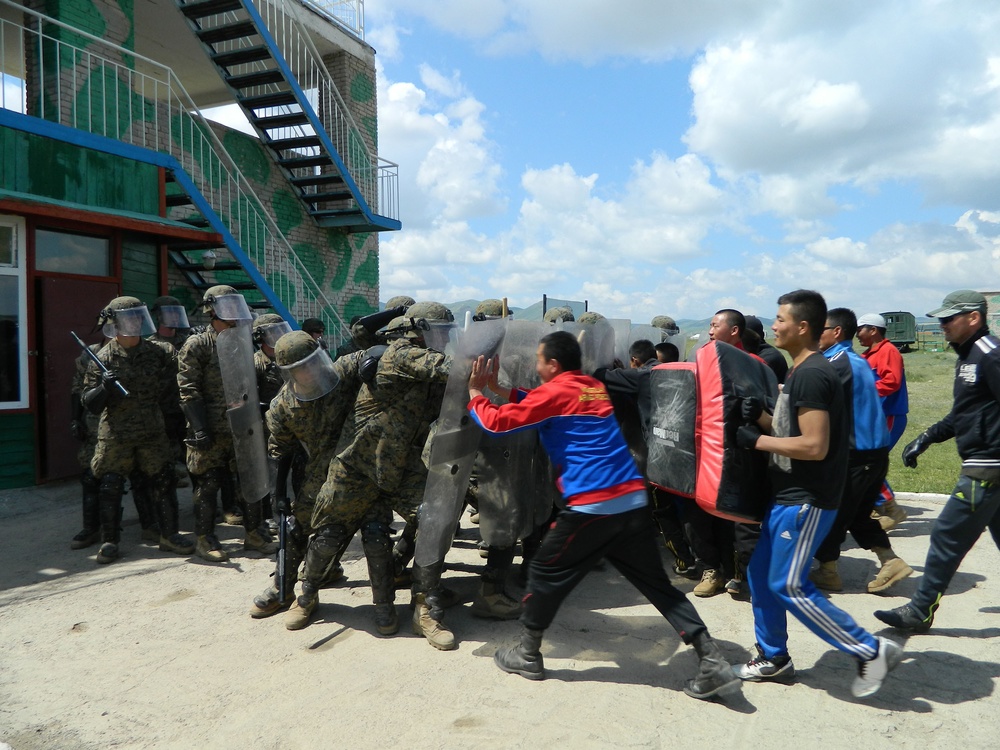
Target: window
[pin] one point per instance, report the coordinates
(13, 315)
(64, 252)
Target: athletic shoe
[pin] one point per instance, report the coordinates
(906, 618)
(871, 674)
(894, 571)
(761, 669)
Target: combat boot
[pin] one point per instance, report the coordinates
(494, 603)
(91, 531)
(208, 548)
(826, 577)
(164, 499)
(525, 658)
(378, 553)
(890, 515)
(255, 541)
(301, 611)
(110, 507)
(715, 675)
(177, 543)
(268, 603)
(427, 622)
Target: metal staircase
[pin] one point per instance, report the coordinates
(277, 76)
(105, 97)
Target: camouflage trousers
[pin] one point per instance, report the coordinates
(144, 453)
(86, 452)
(349, 497)
(219, 455)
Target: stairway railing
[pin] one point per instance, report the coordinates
(108, 90)
(377, 179)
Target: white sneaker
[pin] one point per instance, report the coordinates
(871, 674)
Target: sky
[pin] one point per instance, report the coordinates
(677, 157)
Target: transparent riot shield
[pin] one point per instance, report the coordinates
(508, 493)
(597, 343)
(694, 344)
(239, 380)
(649, 333)
(453, 444)
(622, 328)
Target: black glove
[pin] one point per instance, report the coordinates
(78, 429)
(751, 408)
(747, 436)
(199, 441)
(915, 448)
(282, 504)
(108, 380)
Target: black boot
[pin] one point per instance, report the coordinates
(375, 539)
(524, 658)
(715, 675)
(402, 554)
(206, 490)
(91, 531)
(110, 509)
(142, 496)
(164, 497)
(322, 548)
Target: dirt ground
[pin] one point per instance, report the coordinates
(158, 651)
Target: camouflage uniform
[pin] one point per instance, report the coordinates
(269, 380)
(131, 439)
(379, 471)
(312, 428)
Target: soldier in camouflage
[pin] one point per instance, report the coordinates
(382, 471)
(83, 427)
(308, 413)
(558, 313)
(267, 329)
(210, 454)
(131, 436)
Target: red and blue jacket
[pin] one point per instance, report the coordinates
(577, 427)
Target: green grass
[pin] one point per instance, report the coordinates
(929, 377)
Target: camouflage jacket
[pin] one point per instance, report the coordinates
(146, 370)
(315, 425)
(393, 415)
(269, 380)
(181, 335)
(199, 377)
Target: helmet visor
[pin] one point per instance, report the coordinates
(436, 334)
(135, 321)
(173, 316)
(312, 377)
(270, 333)
(232, 307)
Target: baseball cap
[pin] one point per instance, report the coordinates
(962, 301)
(871, 319)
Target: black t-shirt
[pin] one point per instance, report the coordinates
(814, 384)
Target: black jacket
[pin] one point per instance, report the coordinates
(974, 420)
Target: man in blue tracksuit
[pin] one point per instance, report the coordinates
(867, 462)
(974, 422)
(808, 439)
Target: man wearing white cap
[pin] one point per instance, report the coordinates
(890, 382)
(974, 422)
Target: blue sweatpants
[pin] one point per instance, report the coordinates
(779, 584)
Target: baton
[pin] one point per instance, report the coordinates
(97, 361)
(282, 559)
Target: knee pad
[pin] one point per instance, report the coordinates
(113, 484)
(89, 481)
(165, 479)
(327, 538)
(372, 531)
(211, 481)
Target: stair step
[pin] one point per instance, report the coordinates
(327, 178)
(240, 56)
(281, 121)
(341, 217)
(178, 199)
(322, 160)
(205, 8)
(195, 221)
(268, 100)
(220, 265)
(190, 246)
(338, 195)
(286, 144)
(260, 78)
(239, 30)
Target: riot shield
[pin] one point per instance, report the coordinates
(453, 443)
(239, 381)
(694, 344)
(649, 333)
(597, 343)
(508, 492)
(622, 328)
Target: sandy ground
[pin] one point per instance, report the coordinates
(158, 651)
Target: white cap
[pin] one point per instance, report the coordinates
(871, 319)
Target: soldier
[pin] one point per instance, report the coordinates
(83, 427)
(309, 411)
(267, 329)
(559, 313)
(210, 455)
(591, 317)
(172, 326)
(315, 328)
(131, 435)
(666, 324)
(382, 467)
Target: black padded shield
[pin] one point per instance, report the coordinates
(672, 462)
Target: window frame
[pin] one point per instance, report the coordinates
(20, 271)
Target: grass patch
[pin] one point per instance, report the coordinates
(929, 377)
